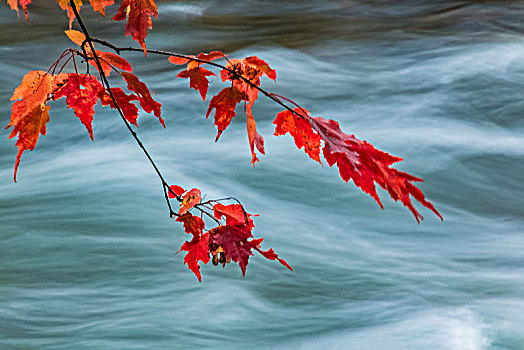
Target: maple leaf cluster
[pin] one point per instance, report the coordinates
(30, 112)
(229, 241)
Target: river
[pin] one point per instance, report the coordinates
(87, 246)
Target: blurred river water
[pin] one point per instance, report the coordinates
(87, 247)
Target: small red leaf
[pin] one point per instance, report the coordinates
(234, 214)
(213, 55)
(254, 138)
(100, 5)
(262, 66)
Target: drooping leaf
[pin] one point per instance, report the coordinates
(189, 200)
(82, 93)
(130, 110)
(30, 115)
(301, 131)
(365, 165)
(254, 138)
(197, 250)
(138, 14)
(224, 104)
(197, 79)
(144, 95)
(23, 3)
(64, 4)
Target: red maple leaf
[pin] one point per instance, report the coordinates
(144, 95)
(197, 79)
(81, 92)
(130, 110)
(301, 131)
(233, 239)
(365, 165)
(224, 104)
(250, 69)
(192, 224)
(196, 74)
(138, 14)
(197, 250)
(100, 5)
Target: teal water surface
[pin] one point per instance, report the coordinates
(87, 246)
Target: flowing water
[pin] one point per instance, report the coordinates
(87, 247)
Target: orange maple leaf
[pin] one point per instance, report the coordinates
(30, 115)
